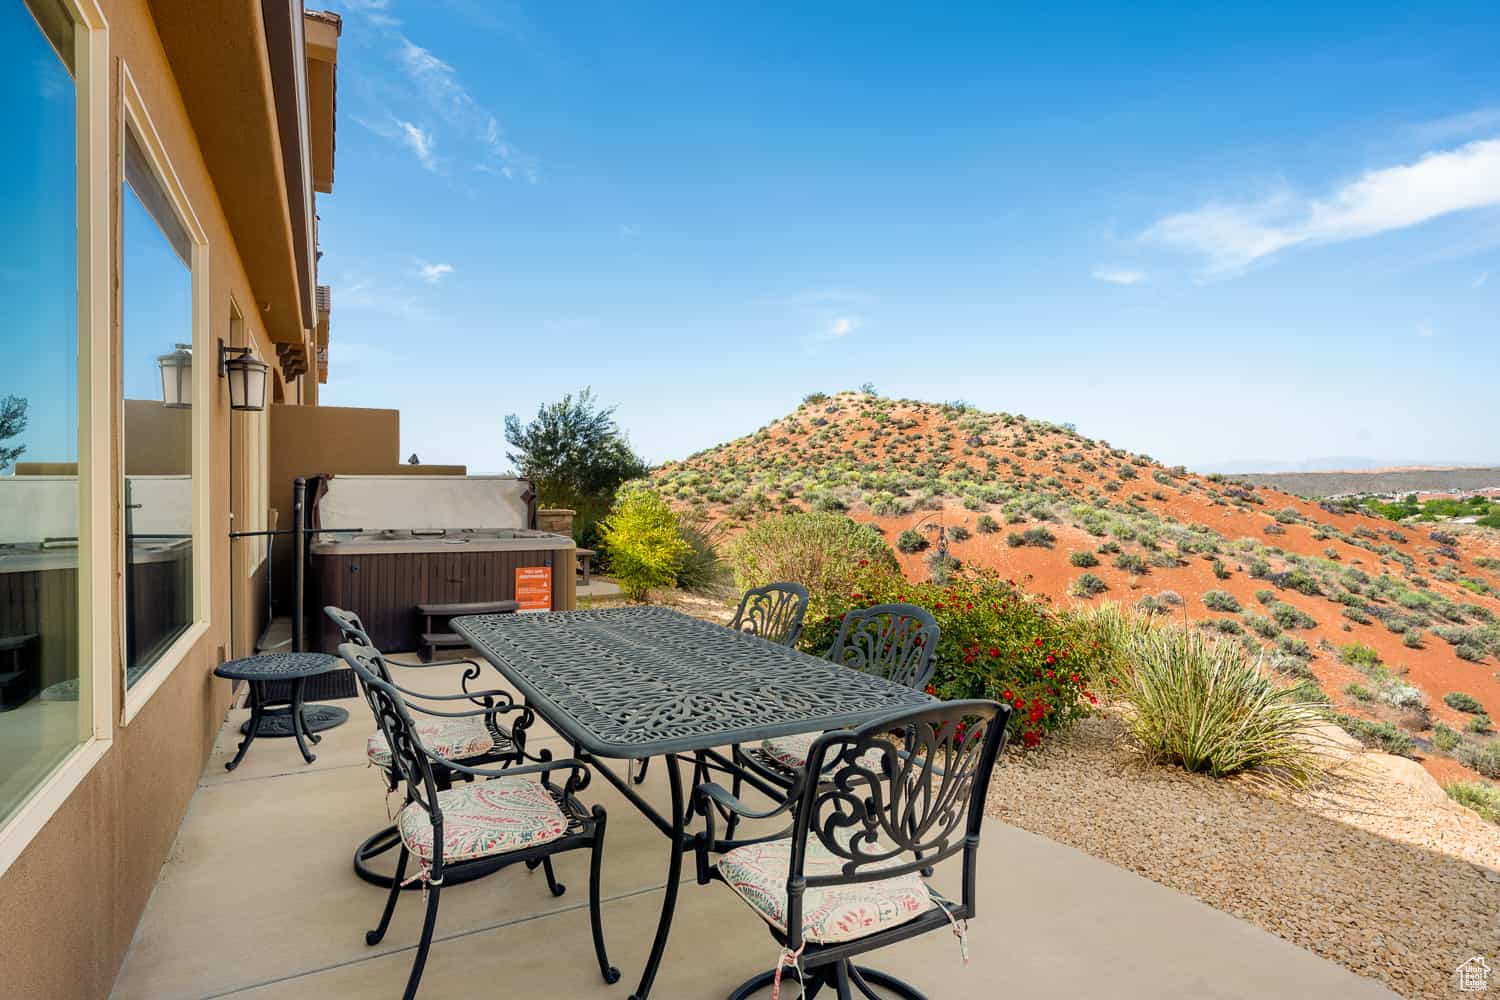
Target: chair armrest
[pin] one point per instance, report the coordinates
(722, 797)
(708, 799)
(579, 768)
(441, 663)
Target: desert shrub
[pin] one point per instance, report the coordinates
(1356, 615)
(1220, 572)
(1225, 626)
(1289, 665)
(986, 525)
(958, 533)
(1288, 616)
(1261, 625)
(821, 551)
(1480, 724)
(701, 569)
(910, 541)
(1445, 738)
(1299, 580)
(1083, 559)
(996, 642)
(1471, 651)
(1087, 585)
(643, 540)
(1293, 646)
(1481, 757)
(1307, 690)
(1038, 537)
(1206, 705)
(1411, 638)
(1461, 701)
(1359, 655)
(1477, 795)
(1132, 563)
(1381, 735)
(1221, 600)
(1398, 694)
(1266, 597)
(1359, 692)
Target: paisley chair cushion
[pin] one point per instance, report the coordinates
(484, 819)
(455, 739)
(758, 874)
(791, 752)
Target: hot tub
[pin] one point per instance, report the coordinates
(386, 544)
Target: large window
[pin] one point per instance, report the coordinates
(157, 386)
(41, 718)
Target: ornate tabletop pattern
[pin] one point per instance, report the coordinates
(642, 681)
(278, 666)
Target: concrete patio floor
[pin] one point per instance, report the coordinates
(258, 900)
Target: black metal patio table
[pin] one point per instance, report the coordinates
(294, 719)
(639, 682)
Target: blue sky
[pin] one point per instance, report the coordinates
(1208, 235)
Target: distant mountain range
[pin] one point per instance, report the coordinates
(1333, 463)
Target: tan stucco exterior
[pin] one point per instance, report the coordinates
(75, 892)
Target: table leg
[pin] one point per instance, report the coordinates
(256, 709)
(297, 728)
(674, 877)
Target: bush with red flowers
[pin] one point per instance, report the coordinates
(997, 642)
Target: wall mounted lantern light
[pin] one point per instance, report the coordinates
(177, 377)
(247, 377)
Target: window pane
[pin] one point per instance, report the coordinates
(156, 317)
(39, 667)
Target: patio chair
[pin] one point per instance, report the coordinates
(773, 612)
(895, 641)
(477, 739)
(524, 814)
(849, 878)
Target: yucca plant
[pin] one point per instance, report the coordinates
(1208, 706)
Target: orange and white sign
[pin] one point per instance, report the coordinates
(534, 588)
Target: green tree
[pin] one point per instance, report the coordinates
(12, 422)
(576, 456)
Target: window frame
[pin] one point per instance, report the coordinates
(135, 118)
(94, 203)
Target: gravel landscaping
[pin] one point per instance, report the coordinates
(1378, 871)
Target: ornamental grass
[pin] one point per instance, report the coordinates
(1208, 707)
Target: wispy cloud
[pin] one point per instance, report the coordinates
(1449, 128)
(841, 326)
(1480, 281)
(365, 293)
(627, 232)
(1119, 276)
(1426, 332)
(418, 140)
(433, 273)
(439, 84)
(1230, 237)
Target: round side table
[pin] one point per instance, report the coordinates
(277, 718)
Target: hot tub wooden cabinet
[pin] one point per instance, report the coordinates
(383, 576)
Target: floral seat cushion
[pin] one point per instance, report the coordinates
(791, 752)
(484, 819)
(455, 739)
(758, 874)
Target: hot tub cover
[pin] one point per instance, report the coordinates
(424, 503)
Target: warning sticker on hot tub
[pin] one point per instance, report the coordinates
(534, 588)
